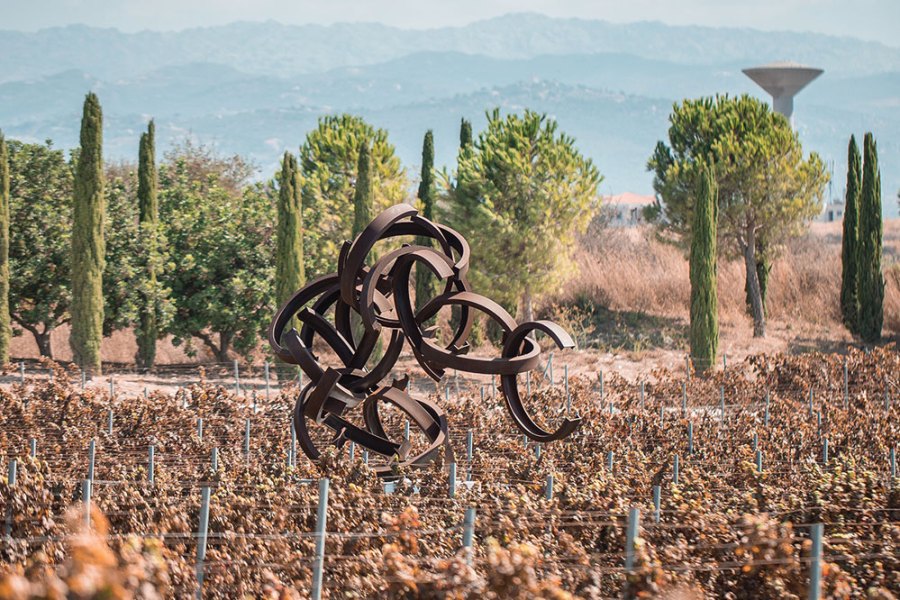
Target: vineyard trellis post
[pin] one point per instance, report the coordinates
(92, 447)
(469, 533)
(151, 464)
(452, 480)
(293, 451)
(631, 534)
(33, 447)
(201, 539)
(690, 438)
(609, 460)
(470, 446)
(11, 482)
(200, 429)
(247, 439)
(237, 379)
(759, 461)
(86, 486)
(642, 396)
(22, 372)
(815, 565)
(684, 399)
(548, 489)
(215, 459)
(675, 466)
(109, 422)
(321, 519)
(657, 499)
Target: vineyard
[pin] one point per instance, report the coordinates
(676, 486)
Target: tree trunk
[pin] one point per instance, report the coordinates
(43, 343)
(224, 345)
(527, 305)
(755, 294)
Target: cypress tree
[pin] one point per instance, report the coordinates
(362, 194)
(465, 133)
(5, 329)
(871, 279)
(148, 209)
(289, 271)
(88, 243)
(704, 300)
(424, 281)
(850, 241)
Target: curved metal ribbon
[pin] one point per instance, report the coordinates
(377, 298)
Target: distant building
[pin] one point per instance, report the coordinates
(834, 211)
(627, 209)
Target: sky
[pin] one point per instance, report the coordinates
(875, 20)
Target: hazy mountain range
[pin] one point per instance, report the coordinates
(257, 88)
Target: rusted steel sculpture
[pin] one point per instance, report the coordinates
(380, 295)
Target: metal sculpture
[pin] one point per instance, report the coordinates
(380, 296)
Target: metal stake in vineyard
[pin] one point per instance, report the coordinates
(631, 533)
(321, 519)
(469, 533)
(815, 565)
(201, 539)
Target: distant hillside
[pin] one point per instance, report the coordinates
(285, 50)
(257, 88)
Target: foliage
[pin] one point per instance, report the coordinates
(704, 300)
(88, 241)
(289, 269)
(329, 159)
(40, 239)
(425, 283)
(153, 312)
(122, 273)
(871, 232)
(362, 191)
(219, 231)
(767, 189)
(5, 328)
(465, 133)
(850, 240)
(522, 193)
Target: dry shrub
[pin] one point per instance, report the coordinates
(93, 570)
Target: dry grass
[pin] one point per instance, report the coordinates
(630, 270)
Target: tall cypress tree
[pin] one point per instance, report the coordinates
(5, 329)
(704, 299)
(871, 279)
(289, 270)
(362, 194)
(465, 133)
(148, 209)
(88, 242)
(425, 283)
(850, 241)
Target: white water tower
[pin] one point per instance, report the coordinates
(783, 80)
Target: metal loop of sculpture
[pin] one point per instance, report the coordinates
(380, 296)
